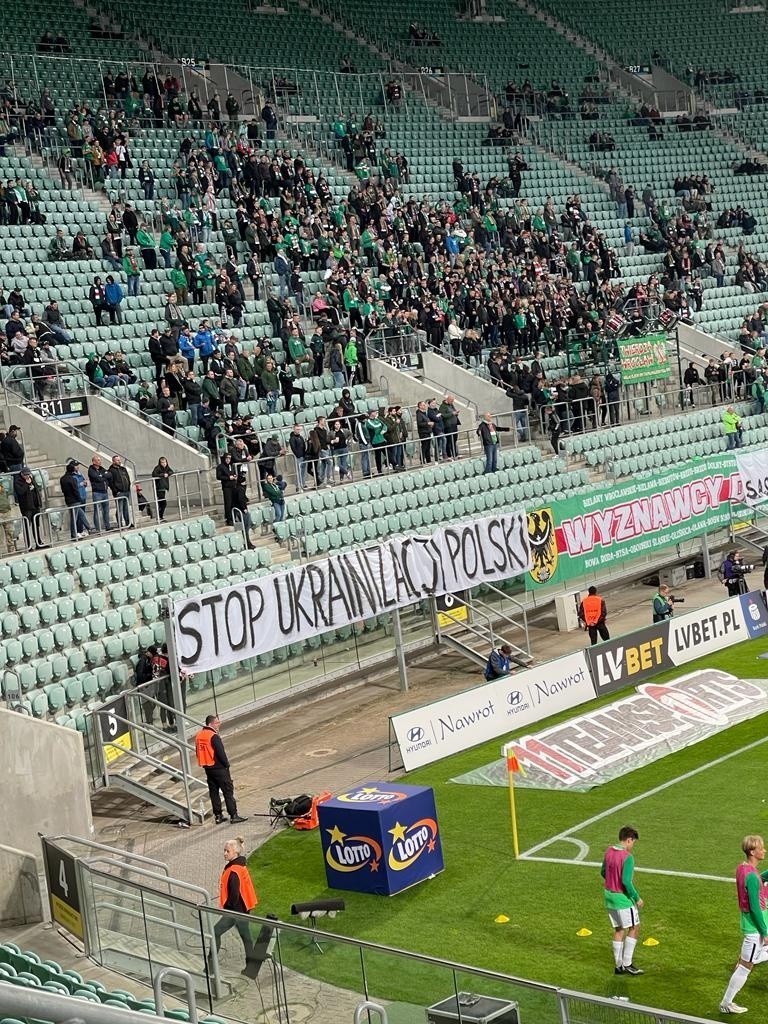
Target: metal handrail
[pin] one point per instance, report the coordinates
(35, 1003)
(289, 928)
(93, 845)
(213, 958)
(163, 766)
(367, 1007)
(157, 987)
(114, 862)
(139, 691)
(475, 601)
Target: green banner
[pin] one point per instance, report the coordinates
(622, 520)
(644, 359)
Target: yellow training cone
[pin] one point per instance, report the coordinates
(583, 932)
(501, 919)
(651, 942)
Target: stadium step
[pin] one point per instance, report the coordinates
(159, 782)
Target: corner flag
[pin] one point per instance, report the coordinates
(513, 766)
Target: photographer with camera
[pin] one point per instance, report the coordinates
(733, 572)
(664, 604)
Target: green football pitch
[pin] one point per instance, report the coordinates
(691, 809)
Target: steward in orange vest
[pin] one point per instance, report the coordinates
(592, 615)
(212, 758)
(237, 894)
(236, 891)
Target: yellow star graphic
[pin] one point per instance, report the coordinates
(398, 832)
(337, 836)
(368, 789)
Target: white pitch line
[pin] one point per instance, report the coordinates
(646, 871)
(566, 834)
(583, 848)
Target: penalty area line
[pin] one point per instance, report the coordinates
(567, 833)
(645, 871)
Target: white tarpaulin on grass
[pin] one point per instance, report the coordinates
(659, 719)
(251, 618)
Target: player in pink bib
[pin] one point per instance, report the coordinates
(622, 900)
(752, 894)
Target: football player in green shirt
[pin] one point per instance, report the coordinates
(622, 900)
(752, 895)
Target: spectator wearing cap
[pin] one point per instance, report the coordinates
(73, 487)
(11, 451)
(99, 481)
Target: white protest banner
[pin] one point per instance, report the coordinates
(456, 723)
(238, 622)
(753, 470)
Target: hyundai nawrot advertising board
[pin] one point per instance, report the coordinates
(380, 838)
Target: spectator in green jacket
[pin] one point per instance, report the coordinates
(146, 243)
(210, 390)
(297, 350)
(351, 359)
(732, 428)
(179, 282)
(273, 488)
(166, 248)
(132, 272)
(271, 385)
(758, 392)
(375, 431)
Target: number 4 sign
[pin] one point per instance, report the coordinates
(63, 890)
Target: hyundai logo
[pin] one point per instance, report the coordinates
(415, 734)
(514, 697)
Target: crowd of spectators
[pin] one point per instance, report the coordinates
(469, 274)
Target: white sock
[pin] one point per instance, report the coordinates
(738, 978)
(629, 949)
(617, 952)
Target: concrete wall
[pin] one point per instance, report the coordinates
(20, 897)
(406, 389)
(56, 443)
(486, 396)
(45, 783)
(697, 343)
(138, 440)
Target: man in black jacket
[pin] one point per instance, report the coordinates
(212, 757)
(30, 504)
(11, 450)
(99, 480)
(120, 485)
(488, 432)
(226, 474)
(424, 430)
(130, 222)
(155, 349)
(298, 445)
(73, 499)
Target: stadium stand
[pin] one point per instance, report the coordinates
(116, 613)
(25, 968)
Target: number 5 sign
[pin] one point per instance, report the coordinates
(63, 889)
(115, 730)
